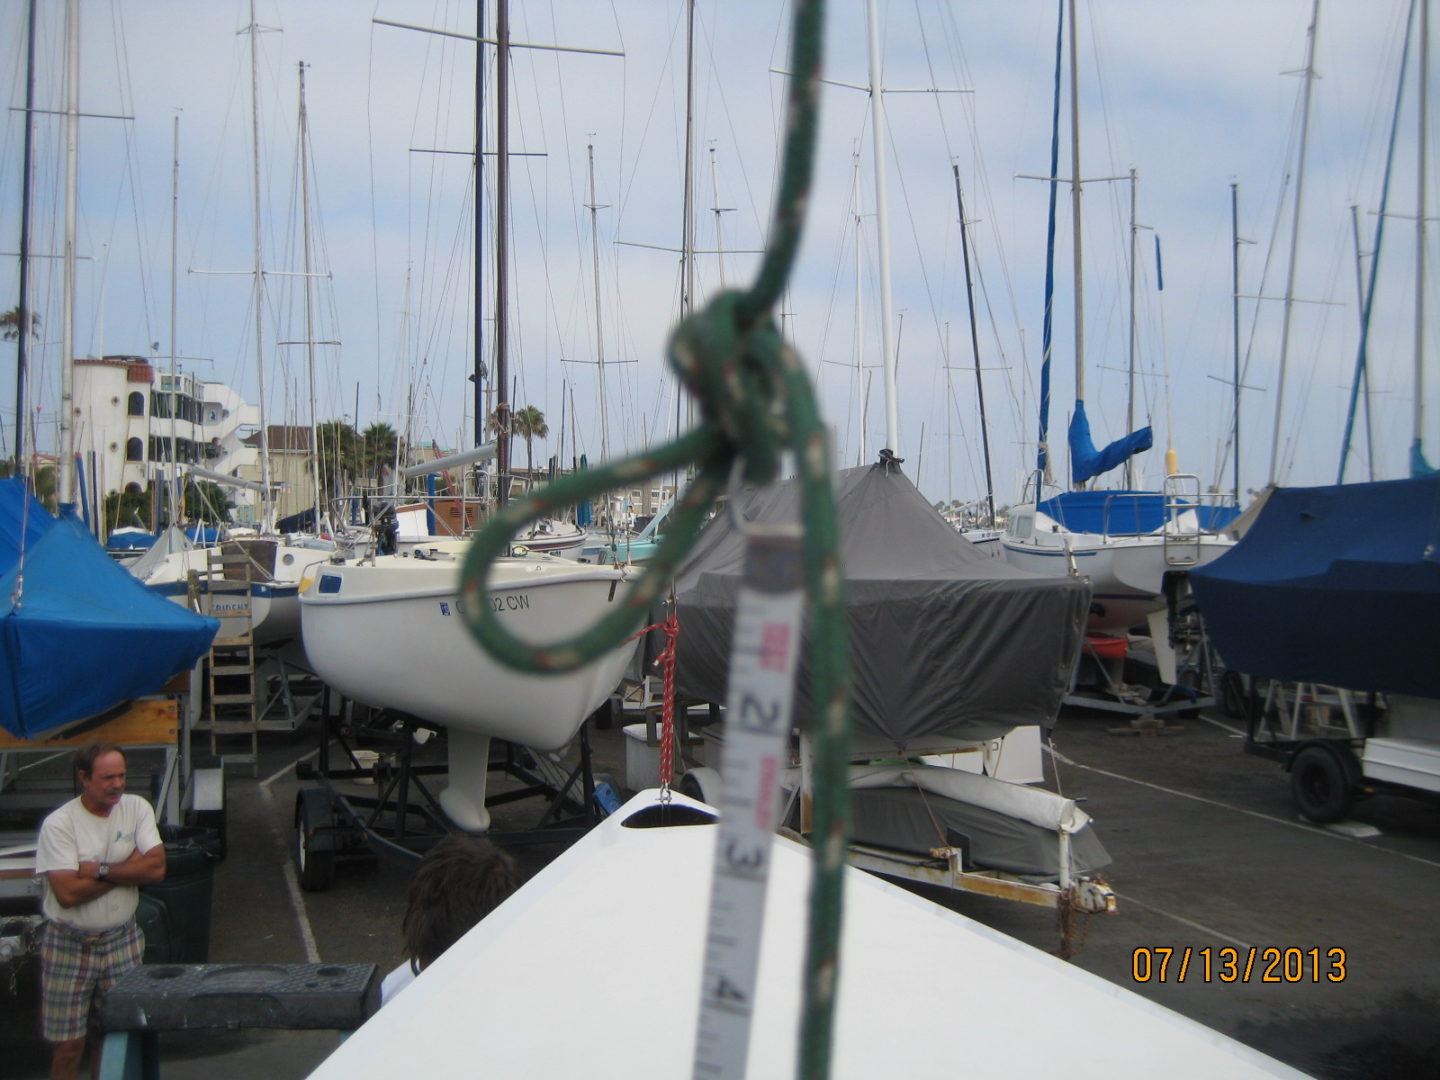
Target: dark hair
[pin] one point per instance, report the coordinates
(87, 755)
(458, 882)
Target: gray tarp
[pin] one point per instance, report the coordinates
(946, 643)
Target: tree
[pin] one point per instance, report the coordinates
(205, 501)
(339, 456)
(379, 446)
(529, 424)
(128, 509)
(10, 325)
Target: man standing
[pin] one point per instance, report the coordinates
(95, 852)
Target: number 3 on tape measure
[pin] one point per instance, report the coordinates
(762, 674)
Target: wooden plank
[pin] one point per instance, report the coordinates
(145, 723)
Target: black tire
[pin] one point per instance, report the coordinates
(315, 868)
(1320, 784)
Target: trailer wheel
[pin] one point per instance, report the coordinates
(1320, 784)
(316, 868)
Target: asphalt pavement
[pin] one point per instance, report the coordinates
(1209, 857)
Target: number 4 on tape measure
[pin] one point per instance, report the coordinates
(762, 677)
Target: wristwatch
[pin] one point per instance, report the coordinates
(103, 872)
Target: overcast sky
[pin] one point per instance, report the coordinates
(1193, 96)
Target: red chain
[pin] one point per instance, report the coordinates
(666, 659)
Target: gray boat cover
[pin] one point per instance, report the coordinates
(946, 643)
(914, 820)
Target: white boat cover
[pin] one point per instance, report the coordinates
(947, 644)
(593, 969)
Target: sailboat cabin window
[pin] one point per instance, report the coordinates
(134, 449)
(1022, 526)
(137, 404)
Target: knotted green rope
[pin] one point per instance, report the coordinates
(756, 404)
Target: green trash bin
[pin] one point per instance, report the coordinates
(175, 913)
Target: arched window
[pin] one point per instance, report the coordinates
(137, 407)
(135, 449)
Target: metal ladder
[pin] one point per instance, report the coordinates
(230, 711)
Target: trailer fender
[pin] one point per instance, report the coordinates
(315, 815)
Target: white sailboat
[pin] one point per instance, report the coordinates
(387, 630)
(1122, 541)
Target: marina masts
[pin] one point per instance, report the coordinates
(882, 234)
(1308, 74)
(67, 331)
(502, 247)
(22, 309)
(975, 348)
(594, 209)
(267, 495)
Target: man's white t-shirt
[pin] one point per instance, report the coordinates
(72, 835)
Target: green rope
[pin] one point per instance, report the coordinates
(756, 404)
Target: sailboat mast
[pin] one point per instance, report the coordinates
(1130, 400)
(1422, 162)
(479, 372)
(22, 310)
(975, 348)
(1235, 328)
(502, 247)
(882, 233)
(174, 488)
(1075, 212)
(309, 302)
(67, 333)
(1309, 76)
(267, 495)
(594, 208)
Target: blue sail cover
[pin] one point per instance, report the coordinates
(1086, 461)
(1335, 585)
(1128, 513)
(78, 634)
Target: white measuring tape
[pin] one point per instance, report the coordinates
(766, 648)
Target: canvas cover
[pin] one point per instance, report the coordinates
(947, 644)
(1337, 585)
(78, 634)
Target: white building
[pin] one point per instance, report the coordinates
(131, 423)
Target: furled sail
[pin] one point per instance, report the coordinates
(1087, 462)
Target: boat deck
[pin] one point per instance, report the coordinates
(1208, 853)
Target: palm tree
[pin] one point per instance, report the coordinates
(379, 444)
(10, 325)
(529, 424)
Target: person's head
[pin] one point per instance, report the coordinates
(458, 882)
(100, 768)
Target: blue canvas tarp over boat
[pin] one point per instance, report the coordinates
(1335, 585)
(78, 634)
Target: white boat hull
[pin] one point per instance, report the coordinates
(630, 907)
(1126, 573)
(390, 634)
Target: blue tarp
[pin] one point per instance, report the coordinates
(1087, 462)
(1125, 513)
(78, 635)
(1335, 585)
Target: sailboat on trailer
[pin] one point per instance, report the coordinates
(1122, 541)
(388, 630)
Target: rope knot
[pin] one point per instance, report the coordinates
(729, 358)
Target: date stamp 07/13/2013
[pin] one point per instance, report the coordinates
(1243, 964)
